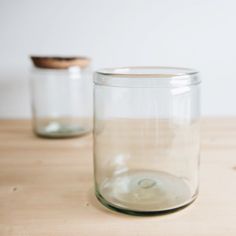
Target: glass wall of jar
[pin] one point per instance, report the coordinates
(61, 96)
(146, 138)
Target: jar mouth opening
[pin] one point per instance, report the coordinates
(147, 71)
(146, 76)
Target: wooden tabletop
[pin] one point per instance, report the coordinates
(46, 188)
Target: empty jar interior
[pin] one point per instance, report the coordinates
(146, 138)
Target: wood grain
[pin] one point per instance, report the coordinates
(46, 188)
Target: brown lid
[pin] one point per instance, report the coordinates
(59, 62)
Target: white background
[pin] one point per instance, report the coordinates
(190, 33)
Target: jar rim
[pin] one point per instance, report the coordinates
(133, 71)
(146, 76)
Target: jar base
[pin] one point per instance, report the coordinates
(140, 213)
(60, 130)
(142, 192)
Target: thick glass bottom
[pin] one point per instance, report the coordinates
(60, 130)
(142, 192)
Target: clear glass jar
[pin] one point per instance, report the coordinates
(146, 138)
(61, 96)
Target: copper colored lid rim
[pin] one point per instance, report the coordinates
(59, 62)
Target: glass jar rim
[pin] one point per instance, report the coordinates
(146, 76)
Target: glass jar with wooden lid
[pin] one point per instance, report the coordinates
(61, 89)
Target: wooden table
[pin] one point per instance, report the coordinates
(46, 188)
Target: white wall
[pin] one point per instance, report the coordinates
(189, 33)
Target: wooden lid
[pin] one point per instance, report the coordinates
(58, 62)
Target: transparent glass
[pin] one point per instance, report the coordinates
(146, 138)
(61, 101)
